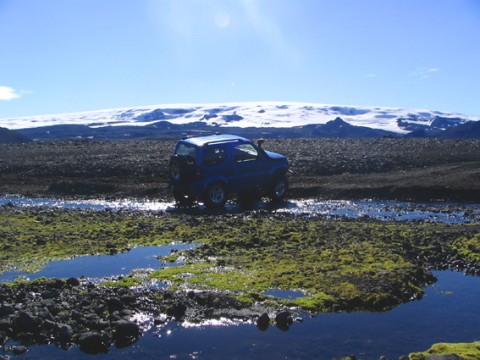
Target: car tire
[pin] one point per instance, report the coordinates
(215, 195)
(180, 168)
(278, 188)
(182, 197)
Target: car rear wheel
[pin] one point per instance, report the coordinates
(180, 168)
(215, 195)
(182, 197)
(278, 188)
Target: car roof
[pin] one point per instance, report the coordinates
(203, 140)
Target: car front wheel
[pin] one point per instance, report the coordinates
(278, 188)
(215, 195)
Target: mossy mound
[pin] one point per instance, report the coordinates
(466, 351)
(338, 265)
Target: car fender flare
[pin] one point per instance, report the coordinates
(278, 172)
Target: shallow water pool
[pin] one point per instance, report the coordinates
(101, 266)
(449, 312)
(387, 210)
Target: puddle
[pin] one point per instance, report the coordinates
(450, 213)
(285, 294)
(101, 266)
(447, 313)
(92, 204)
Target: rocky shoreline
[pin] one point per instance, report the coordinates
(76, 312)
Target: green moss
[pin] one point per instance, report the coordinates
(354, 264)
(340, 264)
(319, 301)
(128, 281)
(467, 351)
(251, 297)
(31, 237)
(169, 259)
(468, 247)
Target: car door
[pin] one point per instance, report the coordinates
(247, 168)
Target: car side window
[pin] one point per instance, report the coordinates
(244, 152)
(185, 150)
(214, 156)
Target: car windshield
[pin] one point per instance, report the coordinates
(244, 152)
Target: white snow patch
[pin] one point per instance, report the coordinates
(242, 114)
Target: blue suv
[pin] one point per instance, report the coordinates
(210, 168)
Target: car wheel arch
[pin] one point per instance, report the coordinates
(212, 196)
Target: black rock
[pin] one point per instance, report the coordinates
(177, 310)
(15, 350)
(73, 281)
(5, 324)
(18, 350)
(65, 332)
(93, 342)
(26, 322)
(283, 320)
(6, 309)
(126, 332)
(114, 304)
(263, 321)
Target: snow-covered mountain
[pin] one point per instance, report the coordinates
(264, 115)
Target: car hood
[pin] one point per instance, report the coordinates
(274, 156)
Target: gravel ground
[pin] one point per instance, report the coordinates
(404, 169)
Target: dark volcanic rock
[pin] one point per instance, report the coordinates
(177, 310)
(263, 321)
(283, 320)
(91, 312)
(73, 282)
(126, 332)
(65, 333)
(386, 168)
(93, 342)
(26, 322)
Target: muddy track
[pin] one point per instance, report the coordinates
(404, 169)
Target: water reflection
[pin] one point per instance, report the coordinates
(449, 312)
(389, 210)
(285, 294)
(100, 266)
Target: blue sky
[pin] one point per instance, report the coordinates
(61, 56)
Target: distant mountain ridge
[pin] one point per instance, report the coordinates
(267, 119)
(12, 137)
